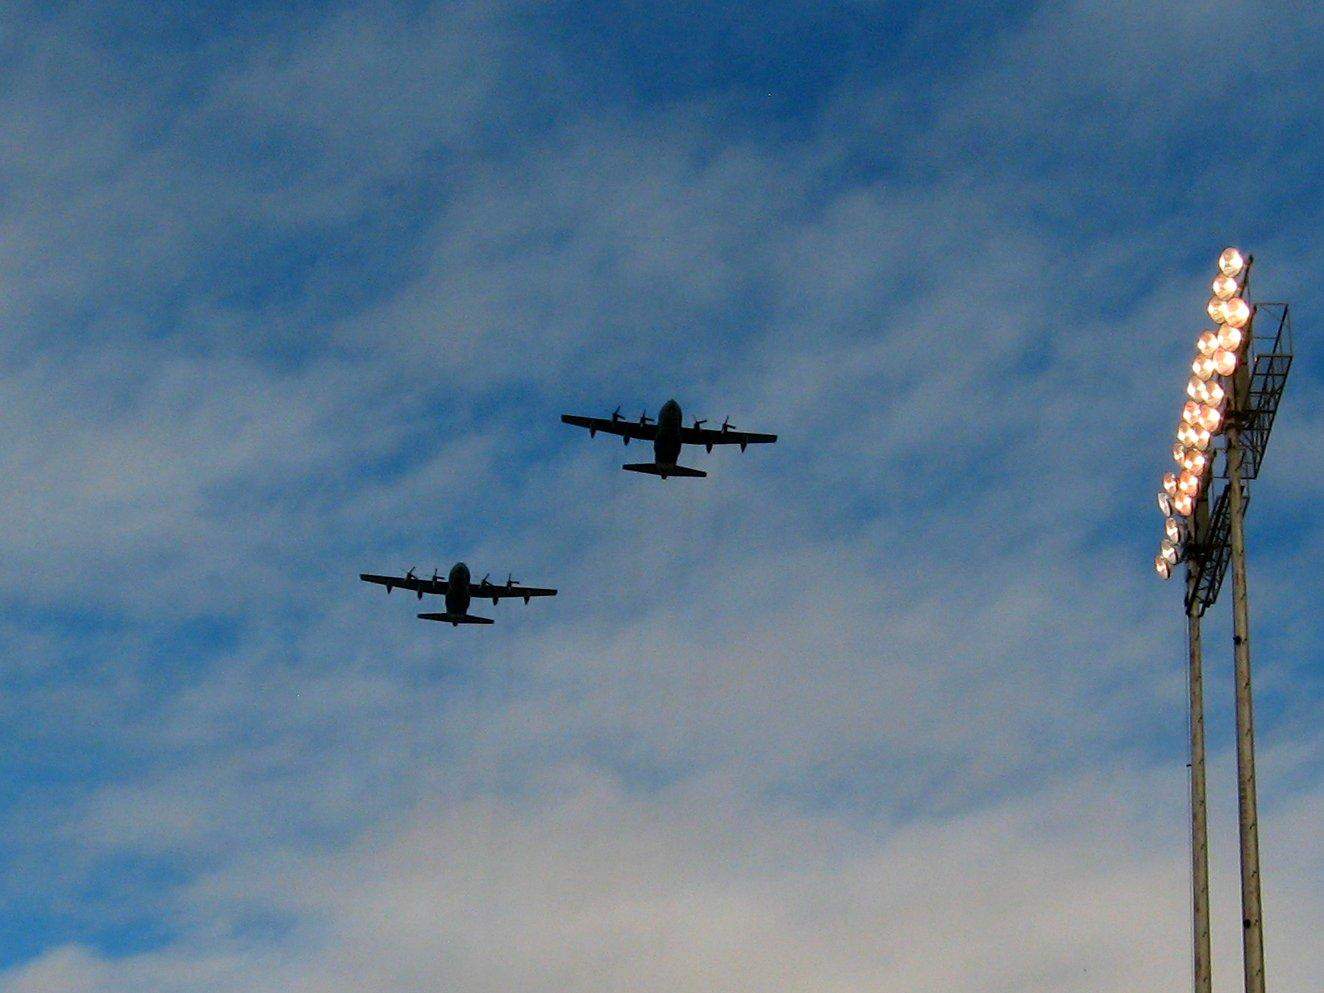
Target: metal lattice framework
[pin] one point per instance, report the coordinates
(1209, 549)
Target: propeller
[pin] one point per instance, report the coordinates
(616, 414)
(698, 423)
(434, 575)
(409, 574)
(511, 581)
(485, 579)
(644, 418)
(726, 424)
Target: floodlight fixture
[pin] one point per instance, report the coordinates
(1230, 263)
(1236, 312)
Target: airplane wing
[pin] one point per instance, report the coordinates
(609, 425)
(708, 437)
(415, 584)
(495, 592)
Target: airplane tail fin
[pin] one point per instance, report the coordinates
(454, 620)
(653, 469)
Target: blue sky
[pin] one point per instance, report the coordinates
(295, 292)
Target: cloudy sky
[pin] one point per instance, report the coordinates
(288, 293)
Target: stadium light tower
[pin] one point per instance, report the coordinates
(1233, 395)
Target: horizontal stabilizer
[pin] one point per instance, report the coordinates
(455, 620)
(653, 469)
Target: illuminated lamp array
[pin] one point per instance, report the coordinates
(1217, 355)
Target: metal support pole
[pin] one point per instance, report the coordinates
(1252, 933)
(1199, 833)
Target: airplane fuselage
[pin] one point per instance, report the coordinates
(667, 444)
(458, 595)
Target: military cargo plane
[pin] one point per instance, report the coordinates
(668, 433)
(459, 591)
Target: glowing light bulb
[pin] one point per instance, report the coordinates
(1225, 362)
(1185, 435)
(1214, 308)
(1213, 394)
(1170, 483)
(1172, 529)
(1195, 462)
(1190, 412)
(1183, 504)
(1203, 366)
(1188, 483)
(1229, 338)
(1168, 550)
(1162, 567)
(1224, 287)
(1207, 343)
(1178, 452)
(1236, 312)
(1211, 419)
(1230, 263)
(1199, 437)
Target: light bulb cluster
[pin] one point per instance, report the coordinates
(1218, 352)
